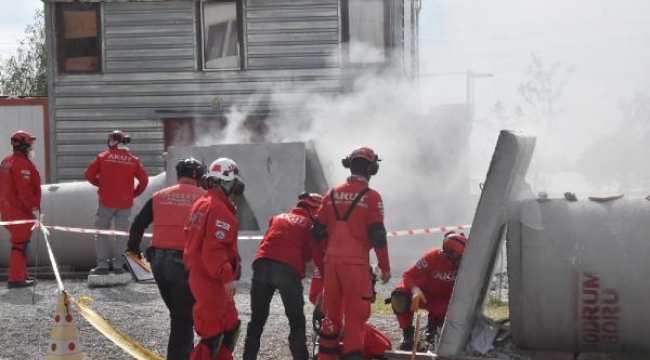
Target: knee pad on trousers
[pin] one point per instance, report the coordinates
(23, 247)
(213, 344)
(400, 301)
(230, 337)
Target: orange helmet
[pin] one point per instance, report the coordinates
(21, 140)
(309, 201)
(365, 153)
(454, 244)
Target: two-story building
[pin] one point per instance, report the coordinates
(156, 67)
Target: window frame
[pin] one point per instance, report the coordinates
(60, 57)
(345, 36)
(240, 34)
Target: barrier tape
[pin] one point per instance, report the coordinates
(107, 329)
(398, 233)
(441, 229)
(123, 341)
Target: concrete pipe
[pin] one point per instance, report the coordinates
(71, 204)
(578, 275)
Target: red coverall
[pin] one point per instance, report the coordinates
(285, 241)
(212, 258)
(20, 192)
(348, 286)
(279, 265)
(435, 275)
(375, 343)
(113, 172)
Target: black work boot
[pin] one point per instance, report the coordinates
(21, 284)
(431, 333)
(407, 343)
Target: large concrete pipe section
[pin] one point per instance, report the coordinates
(70, 204)
(579, 279)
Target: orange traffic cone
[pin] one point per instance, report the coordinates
(64, 341)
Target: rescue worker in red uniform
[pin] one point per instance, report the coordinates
(169, 210)
(212, 258)
(375, 343)
(350, 223)
(280, 265)
(428, 284)
(20, 199)
(113, 172)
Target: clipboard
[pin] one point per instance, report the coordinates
(139, 268)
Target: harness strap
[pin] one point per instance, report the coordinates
(348, 213)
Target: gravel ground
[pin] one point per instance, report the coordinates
(138, 311)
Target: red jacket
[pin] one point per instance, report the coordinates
(113, 172)
(369, 210)
(289, 240)
(211, 238)
(433, 273)
(20, 187)
(171, 207)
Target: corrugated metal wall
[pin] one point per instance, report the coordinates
(150, 65)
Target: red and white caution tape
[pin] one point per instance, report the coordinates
(442, 229)
(425, 231)
(91, 231)
(17, 222)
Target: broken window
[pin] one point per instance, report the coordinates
(220, 35)
(78, 37)
(367, 31)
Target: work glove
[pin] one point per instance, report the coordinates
(417, 299)
(231, 289)
(135, 252)
(385, 276)
(36, 213)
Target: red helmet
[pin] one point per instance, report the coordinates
(117, 137)
(454, 244)
(365, 153)
(22, 138)
(310, 201)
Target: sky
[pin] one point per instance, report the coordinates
(15, 15)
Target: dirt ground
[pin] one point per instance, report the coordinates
(138, 311)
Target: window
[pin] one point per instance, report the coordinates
(78, 37)
(367, 31)
(220, 31)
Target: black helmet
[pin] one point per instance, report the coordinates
(190, 167)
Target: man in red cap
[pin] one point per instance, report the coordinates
(428, 284)
(113, 172)
(212, 258)
(350, 223)
(20, 199)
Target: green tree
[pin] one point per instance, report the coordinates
(25, 73)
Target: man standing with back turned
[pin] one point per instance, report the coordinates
(350, 222)
(113, 172)
(169, 210)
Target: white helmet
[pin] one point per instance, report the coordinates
(225, 170)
